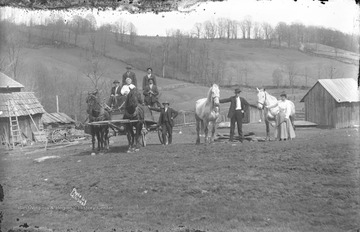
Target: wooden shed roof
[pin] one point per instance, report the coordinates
(7, 82)
(342, 90)
(25, 103)
(56, 118)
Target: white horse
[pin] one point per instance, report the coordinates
(207, 111)
(265, 99)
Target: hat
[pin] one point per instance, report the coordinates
(237, 90)
(128, 67)
(128, 78)
(283, 94)
(116, 81)
(166, 102)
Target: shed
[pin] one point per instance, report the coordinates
(333, 103)
(57, 119)
(25, 104)
(253, 115)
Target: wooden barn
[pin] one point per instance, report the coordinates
(253, 115)
(25, 106)
(333, 103)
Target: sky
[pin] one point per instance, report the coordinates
(342, 15)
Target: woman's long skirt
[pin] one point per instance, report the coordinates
(284, 128)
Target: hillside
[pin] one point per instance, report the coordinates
(61, 70)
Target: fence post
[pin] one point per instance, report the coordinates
(184, 118)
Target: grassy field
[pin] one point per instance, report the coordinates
(308, 184)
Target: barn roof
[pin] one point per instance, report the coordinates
(7, 82)
(342, 90)
(25, 103)
(55, 118)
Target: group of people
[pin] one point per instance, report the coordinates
(284, 122)
(151, 93)
(150, 90)
(238, 106)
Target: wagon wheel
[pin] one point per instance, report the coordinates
(160, 135)
(58, 135)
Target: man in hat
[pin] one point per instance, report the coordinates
(129, 74)
(114, 93)
(147, 78)
(238, 107)
(166, 120)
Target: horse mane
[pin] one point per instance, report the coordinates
(131, 99)
(215, 88)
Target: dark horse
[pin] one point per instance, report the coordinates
(134, 111)
(98, 113)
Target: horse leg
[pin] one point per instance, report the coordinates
(197, 129)
(106, 138)
(98, 138)
(213, 132)
(206, 130)
(267, 130)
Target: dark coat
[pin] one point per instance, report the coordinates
(118, 91)
(131, 75)
(170, 115)
(232, 100)
(154, 90)
(146, 80)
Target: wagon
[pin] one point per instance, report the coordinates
(118, 124)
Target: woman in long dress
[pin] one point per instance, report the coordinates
(284, 129)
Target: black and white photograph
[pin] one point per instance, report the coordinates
(179, 116)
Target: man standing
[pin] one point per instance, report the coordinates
(129, 74)
(151, 94)
(114, 93)
(166, 120)
(238, 106)
(148, 77)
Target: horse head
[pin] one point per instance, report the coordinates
(93, 103)
(131, 101)
(261, 98)
(215, 96)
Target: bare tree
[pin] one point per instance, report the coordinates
(292, 72)
(75, 27)
(92, 22)
(243, 29)
(92, 41)
(14, 47)
(221, 28)
(277, 77)
(268, 32)
(280, 31)
(94, 70)
(132, 33)
(234, 29)
(256, 30)
(210, 30)
(198, 30)
(120, 29)
(249, 24)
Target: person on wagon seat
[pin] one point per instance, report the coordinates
(114, 94)
(129, 74)
(166, 121)
(238, 107)
(151, 95)
(147, 78)
(125, 90)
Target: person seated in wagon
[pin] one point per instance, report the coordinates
(151, 94)
(125, 90)
(114, 94)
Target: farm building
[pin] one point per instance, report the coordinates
(333, 103)
(24, 104)
(57, 119)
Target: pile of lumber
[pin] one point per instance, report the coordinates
(251, 137)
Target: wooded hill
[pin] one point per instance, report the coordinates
(70, 59)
